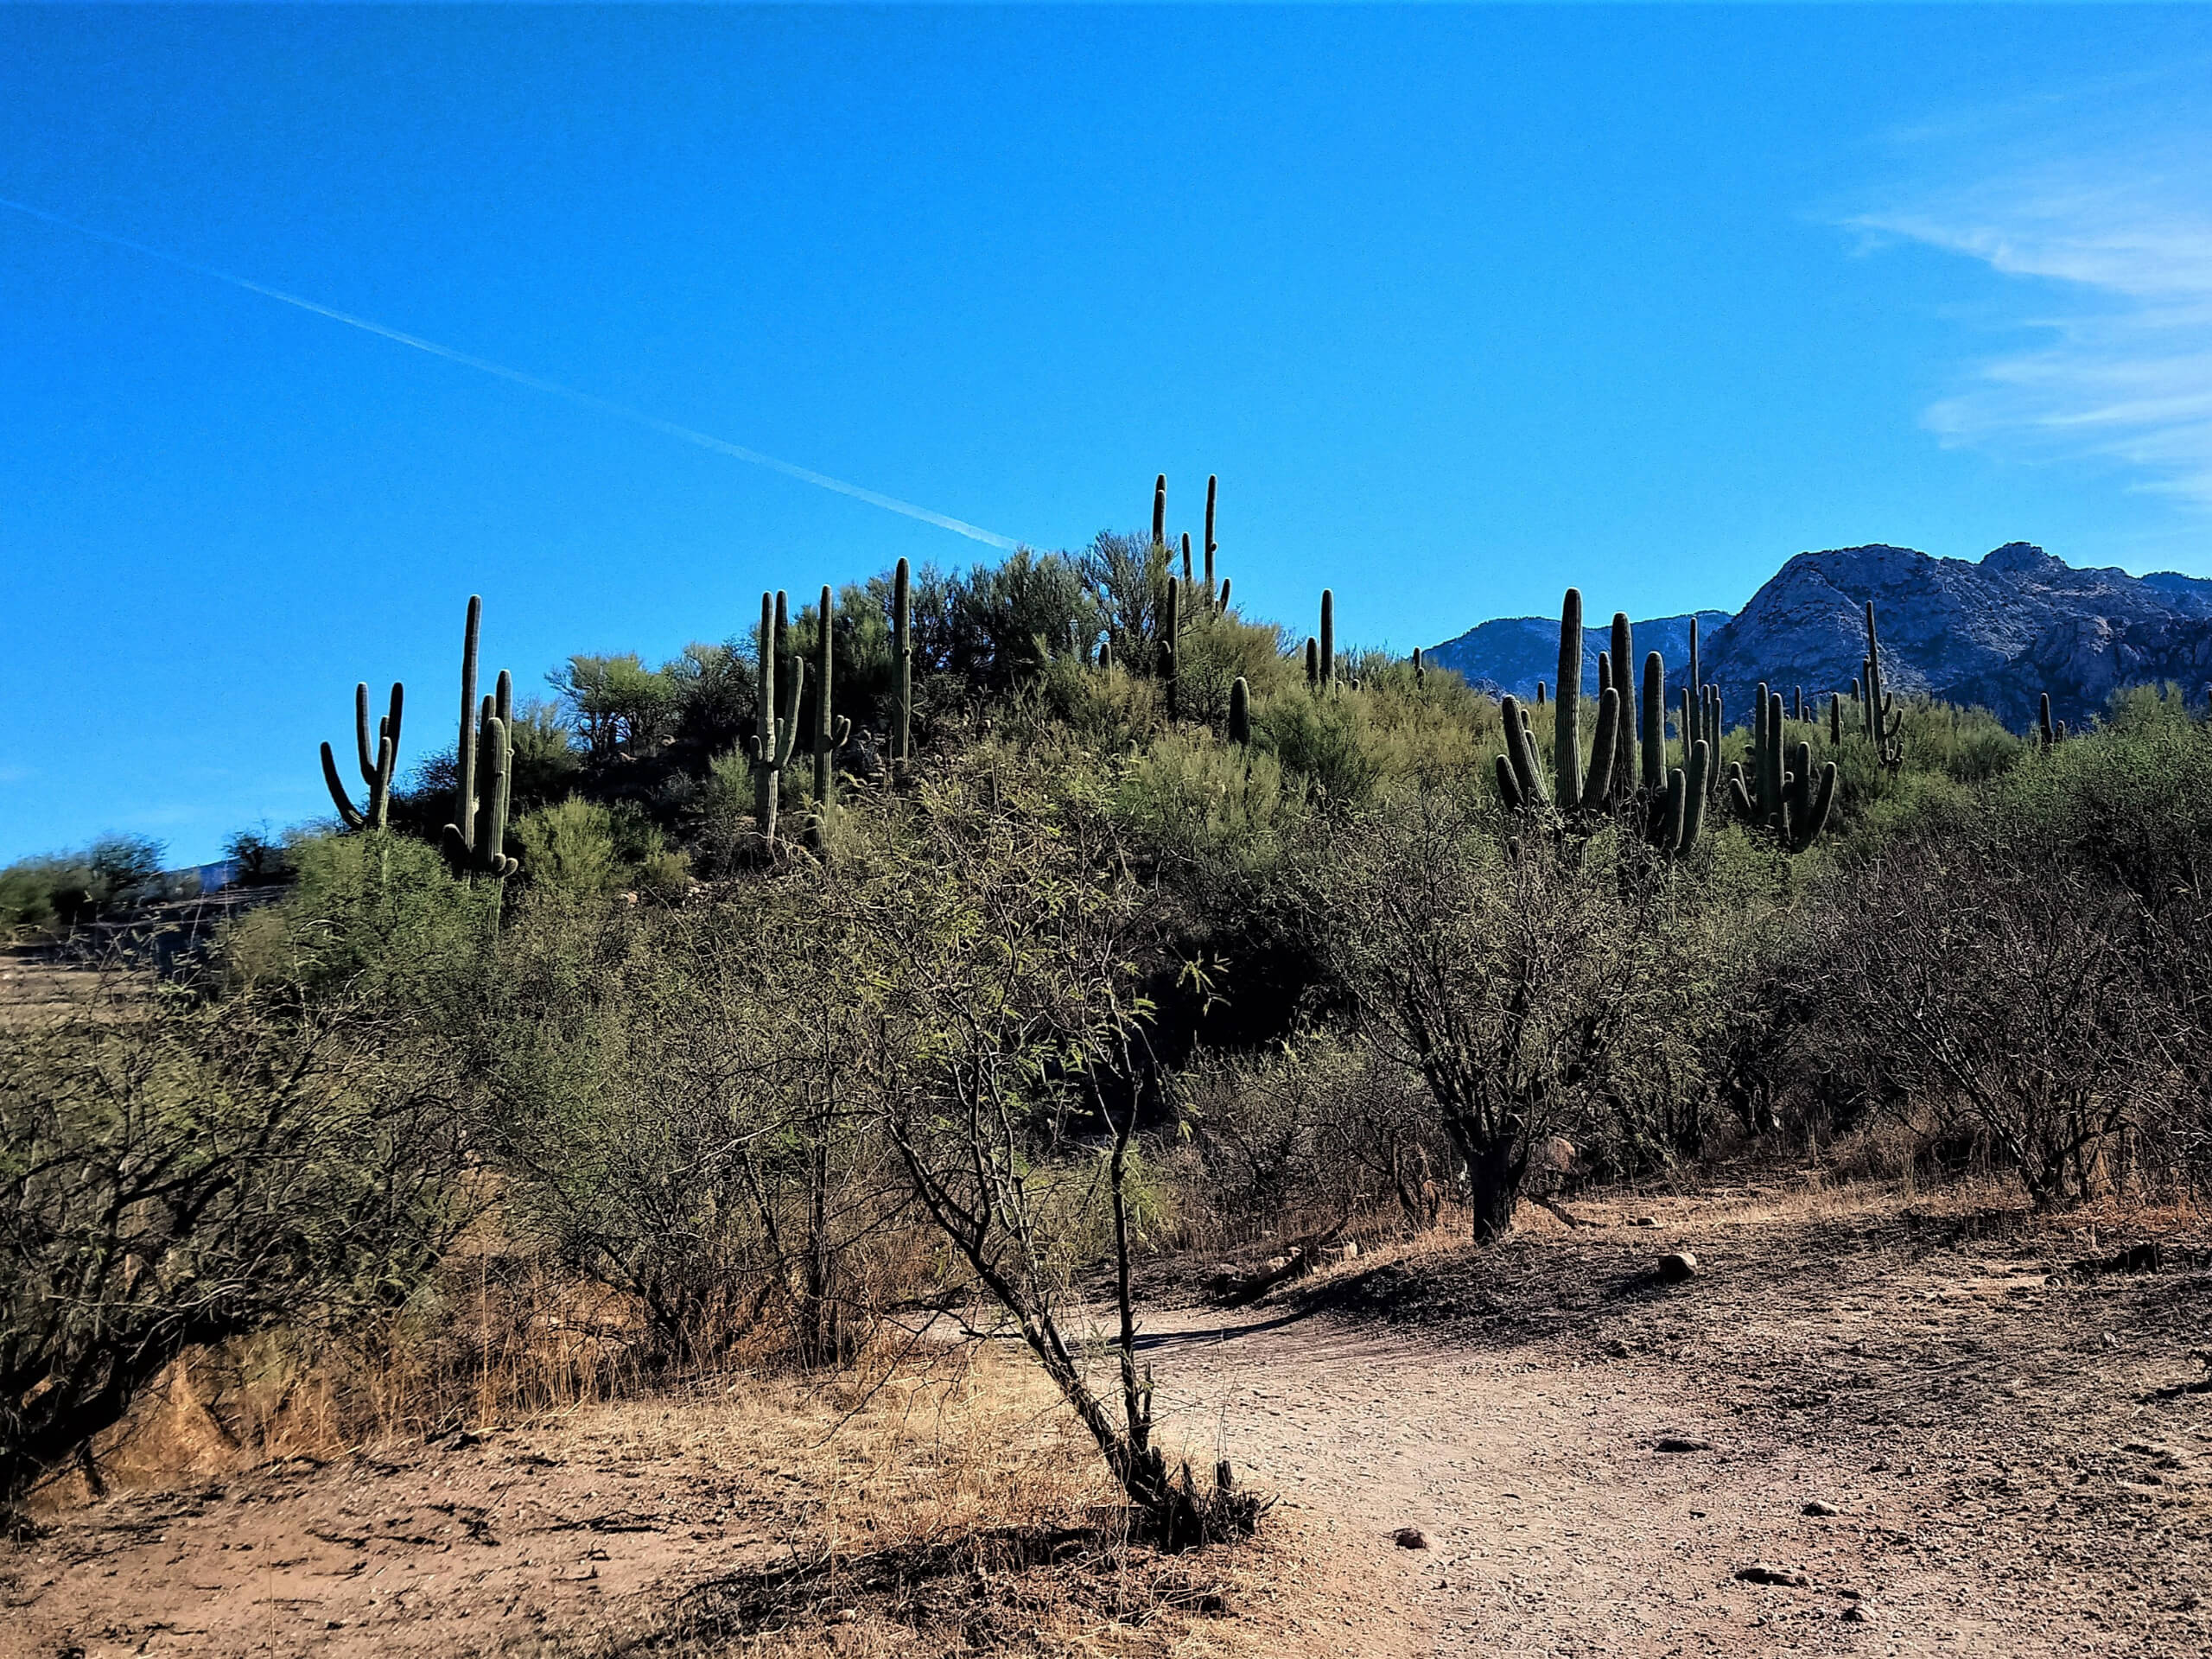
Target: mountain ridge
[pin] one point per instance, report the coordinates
(1998, 631)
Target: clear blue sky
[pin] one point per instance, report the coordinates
(1461, 305)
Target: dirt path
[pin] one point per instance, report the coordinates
(2012, 1463)
(2013, 1457)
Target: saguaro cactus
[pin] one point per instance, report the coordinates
(1217, 597)
(1171, 645)
(1240, 711)
(1784, 799)
(475, 840)
(770, 747)
(1420, 671)
(1622, 784)
(1655, 723)
(1328, 637)
(2048, 733)
(1567, 742)
(379, 763)
(830, 733)
(902, 663)
(1312, 663)
(1190, 577)
(1888, 746)
(1835, 718)
(1160, 513)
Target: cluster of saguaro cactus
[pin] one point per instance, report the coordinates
(2048, 732)
(377, 764)
(770, 748)
(475, 839)
(1876, 701)
(1781, 797)
(1667, 804)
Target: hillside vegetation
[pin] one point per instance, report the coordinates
(1005, 932)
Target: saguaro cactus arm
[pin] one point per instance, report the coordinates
(377, 762)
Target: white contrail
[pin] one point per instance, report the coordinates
(703, 440)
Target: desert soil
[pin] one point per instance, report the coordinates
(1942, 1429)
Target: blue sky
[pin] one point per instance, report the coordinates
(1461, 305)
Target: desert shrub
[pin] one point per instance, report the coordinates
(1202, 805)
(1215, 650)
(1537, 987)
(2003, 999)
(1318, 741)
(617, 703)
(380, 914)
(1127, 577)
(178, 1171)
(56, 893)
(662, 1089)
(1309, 1135)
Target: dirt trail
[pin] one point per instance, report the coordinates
(2013, 1454)
(2014, 1464)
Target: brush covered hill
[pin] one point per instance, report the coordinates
(1998, 631)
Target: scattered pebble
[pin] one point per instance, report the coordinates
(1682, 1443)
(1816, 1507)
(1677, 1266)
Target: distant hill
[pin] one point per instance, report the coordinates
(1512, 653)
(1998, 631)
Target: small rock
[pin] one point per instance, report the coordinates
(1677, 1266)
(1681, 1443)
(1643, 1221)
(1853, 1614)
(1618, 1349)
(1410, 1538)
(1766, 1572)
(1816, 1507)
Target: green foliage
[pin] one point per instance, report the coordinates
(63, 890)
(618, 705)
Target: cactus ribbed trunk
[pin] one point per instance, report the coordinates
(764, 775)
(1160, 513)
(1623, 644)
(1328, 637)
(1213, 486)
(902, 662)
(464, 793)
(1655, 723)
(1170, 645)
(1566, 742)
(825, 733)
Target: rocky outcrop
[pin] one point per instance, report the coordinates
(1998, 631)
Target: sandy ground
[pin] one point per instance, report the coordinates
(2002, 1449)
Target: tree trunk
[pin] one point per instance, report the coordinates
(1495, 1172)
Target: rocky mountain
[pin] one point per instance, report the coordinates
(1998, 631)
(1512, 653)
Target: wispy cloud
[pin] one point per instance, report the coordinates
(2103, 213)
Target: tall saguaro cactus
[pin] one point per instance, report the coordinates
(1888, 746)
(1622, 784)
(377, 764)
(1567, 739)
(1171, 648)
(1328, 637)
(902, 664)
(1160, 512)
(1216, 598)
(830, 732)
(770, 747)
(475, 840)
